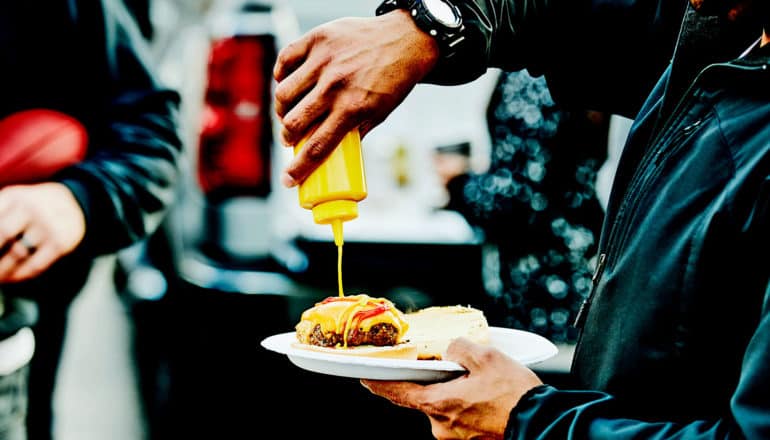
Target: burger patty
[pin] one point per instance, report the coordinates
(381, 334)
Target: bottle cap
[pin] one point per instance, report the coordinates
(324, 213)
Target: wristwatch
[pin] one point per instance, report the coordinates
(439, 18)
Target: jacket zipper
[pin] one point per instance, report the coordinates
(625, 207)
(656, 155)
(659, 153)
(676, 142)
(652, 154)
(583, 311)
(681, 136)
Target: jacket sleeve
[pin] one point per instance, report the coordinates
(547, 413)
(596, 54)
(126, 182)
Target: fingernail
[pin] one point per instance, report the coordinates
(288, 181)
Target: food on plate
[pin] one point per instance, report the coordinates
(361, 325)
(432, 329)
(358, 325)
(402, 350)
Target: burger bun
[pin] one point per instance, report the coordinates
(403, 350)
(432, 329)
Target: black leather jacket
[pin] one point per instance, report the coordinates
(90, 62)
(675, 337)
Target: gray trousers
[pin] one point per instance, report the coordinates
(13, 405)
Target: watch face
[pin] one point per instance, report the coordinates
(442, 12)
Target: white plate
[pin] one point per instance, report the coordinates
(527, 348)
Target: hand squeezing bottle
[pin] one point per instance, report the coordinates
(333, 190)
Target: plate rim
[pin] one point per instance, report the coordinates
(279, 344)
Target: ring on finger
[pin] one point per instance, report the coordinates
(27, 243)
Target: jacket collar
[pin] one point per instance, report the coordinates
(755, 56)
(703, 40)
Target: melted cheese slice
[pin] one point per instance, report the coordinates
(338, 316)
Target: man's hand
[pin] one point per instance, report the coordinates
(38, 225)
(476, 405)
(348, 73)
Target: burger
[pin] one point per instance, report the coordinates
(355, 325)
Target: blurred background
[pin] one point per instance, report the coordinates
(164, 341)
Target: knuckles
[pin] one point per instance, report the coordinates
(282, 97)
(315, 152)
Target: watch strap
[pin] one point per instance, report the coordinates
(448, 38)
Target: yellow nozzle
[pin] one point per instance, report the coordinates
(327, 212)
(337, 230)
(334, 213)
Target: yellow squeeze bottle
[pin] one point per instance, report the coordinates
(333, 190)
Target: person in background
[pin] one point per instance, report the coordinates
(675, 335)
(536, 203)
(85, 59)
(141, 10)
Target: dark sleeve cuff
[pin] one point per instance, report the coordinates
(467, 64)
(490, 41)
(546, 412)
(88, 196)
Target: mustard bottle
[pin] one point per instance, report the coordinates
(333, 190)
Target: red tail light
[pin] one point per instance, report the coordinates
(234, 151)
